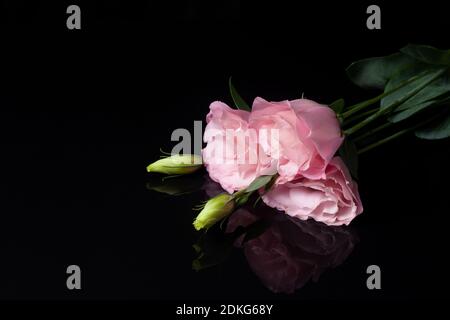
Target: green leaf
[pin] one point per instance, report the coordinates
(428, 54)
(411, 110)
(237, 99)
(258, 183)
(434, 91)
(242, 200)
(438, 129)
(422, 85)
(338, 106)
(414, 106)
(373, 73)
(211, 251)
(349, 155)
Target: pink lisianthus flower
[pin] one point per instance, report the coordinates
(309, 135)
(292, 138)
(232, 156)
(332, 199)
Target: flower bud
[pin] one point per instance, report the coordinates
(214, 210)
(177, 164)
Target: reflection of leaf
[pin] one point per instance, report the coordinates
(438, 129)
(237, 99)
(211, 252)
(373, 73)
(176, 186)
(213, 249)
(349, 155)
(427, 54)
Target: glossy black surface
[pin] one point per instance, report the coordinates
(83, 113)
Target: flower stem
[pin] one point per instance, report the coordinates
(383, 141)
(359, 106)
(373, 131)
(359, 116)
(398, 134)
(396, 103)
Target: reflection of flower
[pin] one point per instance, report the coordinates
(290, 252)
(333, 200)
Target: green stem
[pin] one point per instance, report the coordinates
(359, 106)
(373, 131)
(383, 141)
(392, 105)
(398, 134)
(359, 116)
(239, 193)
(363, 123)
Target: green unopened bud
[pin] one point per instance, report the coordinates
(214, 210)
(177, 164)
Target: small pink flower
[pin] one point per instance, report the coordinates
(308, 136)
(333, 199)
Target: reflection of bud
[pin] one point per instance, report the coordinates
(176, 187)
(214, 210)
(177, 164)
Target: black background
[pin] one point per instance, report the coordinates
(83, 113)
